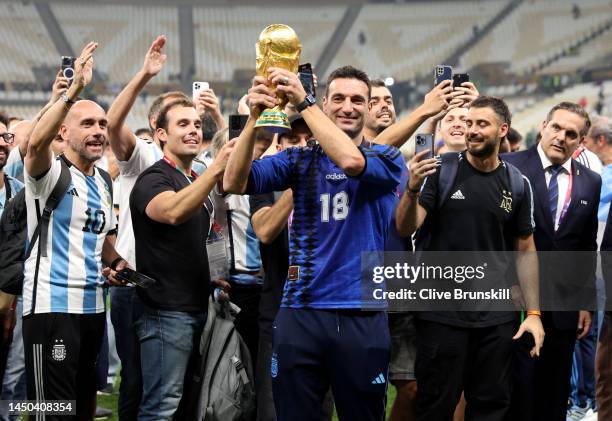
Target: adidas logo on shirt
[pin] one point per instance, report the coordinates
(380, 379)
(73, 192)
(458, 195)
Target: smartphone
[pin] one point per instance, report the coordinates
(459, 78)
(307, 78)
(424, 142)
(68, 68)
(197, 88)
(442, 72)
(236, 124)
(133, 277)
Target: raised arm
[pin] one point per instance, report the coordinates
(409, 215)
(60, 85)
(208, 102)
(236, 175)
(336, 144)
(269, 221)
(121, 137)
(436, 101)
(39, 155)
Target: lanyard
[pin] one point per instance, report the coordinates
(194, 175)
(170, 162)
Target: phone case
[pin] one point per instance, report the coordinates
(197, 88)
(442, 72)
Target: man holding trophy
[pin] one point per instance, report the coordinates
(343, 191)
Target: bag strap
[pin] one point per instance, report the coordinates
(108, 180)
(7, 187)
(56, 196)
(448, 172)
(517, 185)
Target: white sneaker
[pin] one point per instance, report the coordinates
(576, 413)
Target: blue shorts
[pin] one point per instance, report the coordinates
(313, 349)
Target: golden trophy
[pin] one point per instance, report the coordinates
(278, 46)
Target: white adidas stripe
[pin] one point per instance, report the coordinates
(38, 377)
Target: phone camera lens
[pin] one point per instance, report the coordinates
(68, 73)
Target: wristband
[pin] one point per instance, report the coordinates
(534, 313)
(413, 192)
(115, 262)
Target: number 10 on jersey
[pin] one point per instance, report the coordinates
(339, 205)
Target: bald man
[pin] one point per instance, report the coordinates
(63, 300)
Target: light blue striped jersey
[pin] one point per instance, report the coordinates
(69, 278)
(14, 164)
(233, 214)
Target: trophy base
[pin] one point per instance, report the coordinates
(273, 121)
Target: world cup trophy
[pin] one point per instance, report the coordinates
(278, 46)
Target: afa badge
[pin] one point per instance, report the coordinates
(506, 203)
(58, 352)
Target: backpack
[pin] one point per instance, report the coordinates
(221, 387)
(14, 233)
(448, 172)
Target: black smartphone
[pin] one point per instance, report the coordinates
(236, 124)
(424, 142)
(442, 72)
(307, 78)
(459, 78)
(133, 277)
(68, 68)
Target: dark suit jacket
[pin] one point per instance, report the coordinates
(577, 232)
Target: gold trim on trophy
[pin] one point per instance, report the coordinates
(278, 46)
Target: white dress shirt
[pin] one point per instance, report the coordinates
(562, 181)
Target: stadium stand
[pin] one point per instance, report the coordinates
(535, 32)
(584, 56)
(225, 37)
(124, 33)
(406, 41)
(24, 40)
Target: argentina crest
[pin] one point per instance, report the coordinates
(58, 352)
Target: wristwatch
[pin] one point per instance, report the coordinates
(308, 101)
(65, 98)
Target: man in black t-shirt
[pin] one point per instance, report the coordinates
(471, 351)
(171, 219)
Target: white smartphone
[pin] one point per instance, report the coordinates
(197, 88)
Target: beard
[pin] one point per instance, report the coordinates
(81, 149)
(4, 158)
(485, 149)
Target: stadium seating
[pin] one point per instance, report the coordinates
(535, 32)
(404, 41)
(590, 53)
(124, 33)
(225, 37)
(24, 42)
